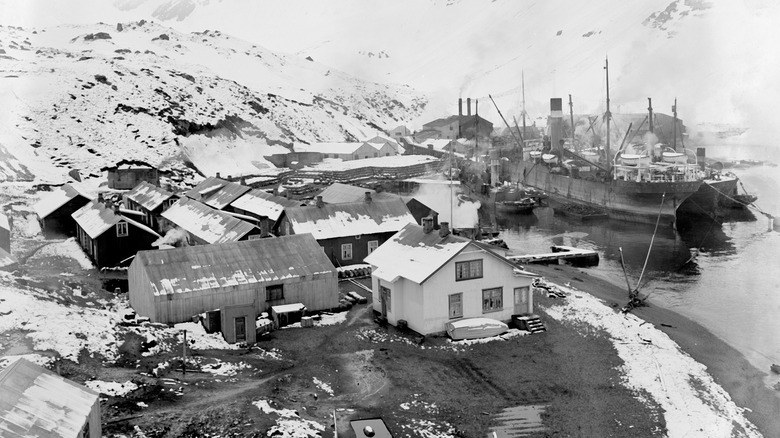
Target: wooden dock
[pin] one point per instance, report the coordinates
(575, 256)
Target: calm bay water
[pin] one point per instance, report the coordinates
(732, 284)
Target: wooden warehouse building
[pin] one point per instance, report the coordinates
(54, 210)
(170, 286)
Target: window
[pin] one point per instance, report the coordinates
(492, 299)
(121, 229)
(346, 251)
(274, 293)
(468, 270)
(456, 305)
(387, 154)
(255, 237)
(372, 245)
(376, 154)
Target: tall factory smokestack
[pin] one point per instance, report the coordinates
(468, 106)
(650, 113)
(460, 106)
(556, 125)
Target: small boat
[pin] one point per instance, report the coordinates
(536, 155)
(550, 158)
(475, 328)
(634, 159)
(669, 155)
(524, 205)
(591, 155)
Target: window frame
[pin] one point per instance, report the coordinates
(491, 303)
(376, 245)
(345, 246)
(122, 225)
(468, 272)
(270, 292)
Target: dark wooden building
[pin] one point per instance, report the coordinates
(263, 206)
(127, 174)
(109, 237)
(150, 201)
(55, 209)
(216, 192)
(206, 225)
(347, 232)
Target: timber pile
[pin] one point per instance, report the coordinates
(579, 211)
(368, 172)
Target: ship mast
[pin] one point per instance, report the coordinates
(522, 78)
(571, 115)
(608, 116)
(674, 127)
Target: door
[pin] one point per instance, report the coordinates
(241, 329)
(522, 301)
(384, 298)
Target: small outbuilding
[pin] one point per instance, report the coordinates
(216, 192)
(347, 232)
(127, 174)
(170, 286)
(55, 209)
(35, 402)
(427, 278)
(109, 237)
(263, 206)
(150, 201)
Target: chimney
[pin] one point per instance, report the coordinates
(368, 197)
(476, 107)
(435, 217)
(100, 197)
(444, 230)
(116, 208)
(319, 202)
(468, 106)
(460, 106)
(218, 176)
(427, 223)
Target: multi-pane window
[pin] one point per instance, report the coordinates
(456, 305)
(372, 245)
(492, 299)
(121, 229)
(346, 251)
(274, 293)
(468, 270)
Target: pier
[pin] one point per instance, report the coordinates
(575, 256)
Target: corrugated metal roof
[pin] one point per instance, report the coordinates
(350, 219)
(36, 402)
(263, 203)
(338, 193)
(216, 192)
(206, 223)
(148, 195)
(95, 218)
(57, 198)
(202, 267)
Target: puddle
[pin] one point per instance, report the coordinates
(518, 421)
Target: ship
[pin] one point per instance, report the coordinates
(636, 187)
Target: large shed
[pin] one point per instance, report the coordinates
(207, 225)
(54, 210)
(35, 402)
(172, 285)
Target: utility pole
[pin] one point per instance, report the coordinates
(571, 115)
(184, 355)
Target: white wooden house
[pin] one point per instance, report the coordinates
(427, 278)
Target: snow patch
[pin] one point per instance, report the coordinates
(111, 389)
(68, 249)
(289, 424)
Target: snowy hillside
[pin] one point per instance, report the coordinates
(87, 96)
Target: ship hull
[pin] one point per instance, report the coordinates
(624, 200)
(709, 199)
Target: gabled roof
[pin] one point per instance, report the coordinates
(216, 192)
(441, 122)
(57, 198)
(206, 223)
(37, 402)
(263, 203)
(439, 144)
(350, 219)
(338, 193)
(95, 218)
(203, 267)
(416, 255)
(329, 147)
(148, 195)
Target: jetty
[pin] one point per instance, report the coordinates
(575, 256)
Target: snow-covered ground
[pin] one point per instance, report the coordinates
(694, 404)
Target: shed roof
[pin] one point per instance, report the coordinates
(95, 218)
(148, 195)
(57, 198)
(328, 147)
(263, 203)
(338, 193)
(202, 267)
(206, 223)
(216, 192)
(4, 222)
(416, 255)
(36, 402)
(350, 219)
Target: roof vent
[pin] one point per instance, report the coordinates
(368, 197)
(427, 223)
(445, 229)
(319, 201)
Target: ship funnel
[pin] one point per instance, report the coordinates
(556, 125)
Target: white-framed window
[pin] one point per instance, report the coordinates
(492, 299)
(346, 251)
(456, 305)
(468, 270)
(372, 245)
(121, 229)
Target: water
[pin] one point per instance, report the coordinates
(732, 287)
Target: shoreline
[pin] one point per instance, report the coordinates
(728, 367)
